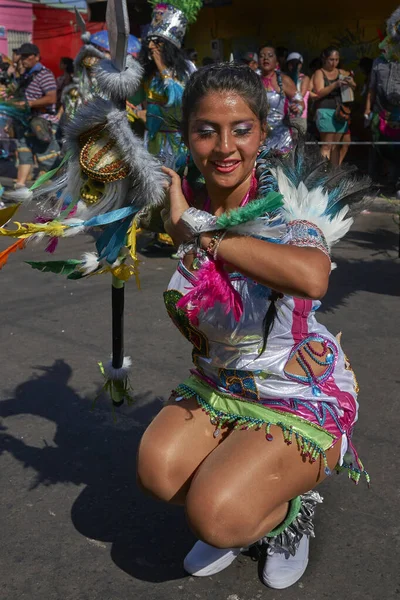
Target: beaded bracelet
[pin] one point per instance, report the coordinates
(213, 244)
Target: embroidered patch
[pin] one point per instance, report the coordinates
(240, 383)
(181, 320)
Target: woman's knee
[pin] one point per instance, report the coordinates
(218, 521)
(154, 472)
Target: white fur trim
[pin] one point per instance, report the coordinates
(118, 374)
(115, 84)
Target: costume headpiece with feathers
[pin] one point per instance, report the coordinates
(106, 178)
(170, 19)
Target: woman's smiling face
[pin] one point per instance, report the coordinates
(224, 136)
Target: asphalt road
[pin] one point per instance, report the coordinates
(73, 524)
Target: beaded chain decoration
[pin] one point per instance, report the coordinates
(305, 354)
(304, 233)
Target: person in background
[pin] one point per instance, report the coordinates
(302, 82)
(383, 99)
(283, 99)
(327, 84)
(191, 59)
(251, 60)
(38, 142)
(15, 70)
(67, 67)
(281, 55)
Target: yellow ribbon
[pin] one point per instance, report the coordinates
(25, 230)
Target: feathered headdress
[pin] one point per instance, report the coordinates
(170, 19)
(106, 177)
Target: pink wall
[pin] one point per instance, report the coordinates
(17, 16)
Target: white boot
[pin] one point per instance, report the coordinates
(287, 549)
(204, 560)
(282, 569)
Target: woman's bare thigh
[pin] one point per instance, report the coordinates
(244, 482)
(172, 448)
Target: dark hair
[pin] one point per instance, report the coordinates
(281, 51)
(294, 75)
(365, 64)
(172, 56)
(207, 60)
(267, 45)
(69, 64)
(191, 54)
(243, 81)
(315, 64)
(328, 51)
(224, 77)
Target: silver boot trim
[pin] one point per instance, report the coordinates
(290, 537)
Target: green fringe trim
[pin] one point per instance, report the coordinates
(257, 208)
(307, 447)
(354, 473)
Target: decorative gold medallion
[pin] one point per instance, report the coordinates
(99, 157)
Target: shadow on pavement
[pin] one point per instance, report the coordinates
(149, 539)
(351, 276)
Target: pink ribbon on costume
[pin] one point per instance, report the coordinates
(212, 285)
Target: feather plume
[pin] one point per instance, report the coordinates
(90, 262)
(4, 256)
(299, 203)
(251, 211)
(190, 8)
(305, 166)
(212, 285)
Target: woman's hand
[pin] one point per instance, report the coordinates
(175, 207)
(157, 57)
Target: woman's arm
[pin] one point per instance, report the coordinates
(297, 271)
(296, 102)
(305, 85)
(289, 87)
(370, 101)
(319, 86)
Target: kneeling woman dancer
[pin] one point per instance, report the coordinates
(269, 408)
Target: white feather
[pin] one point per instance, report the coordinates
(301, 204)
(90, 262)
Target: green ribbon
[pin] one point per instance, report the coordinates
(46, 176)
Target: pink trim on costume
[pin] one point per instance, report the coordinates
(345, 399)
(301, 310)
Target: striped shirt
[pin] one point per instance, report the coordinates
(42, 83)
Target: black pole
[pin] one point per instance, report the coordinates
(117, 299)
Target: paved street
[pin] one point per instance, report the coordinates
(74, 525)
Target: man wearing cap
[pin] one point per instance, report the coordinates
(38, 90)
(251, 60)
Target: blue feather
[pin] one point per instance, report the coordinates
(112, 239)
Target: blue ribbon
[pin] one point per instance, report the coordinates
(107, 218)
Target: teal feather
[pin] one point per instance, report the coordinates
(257, 208)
